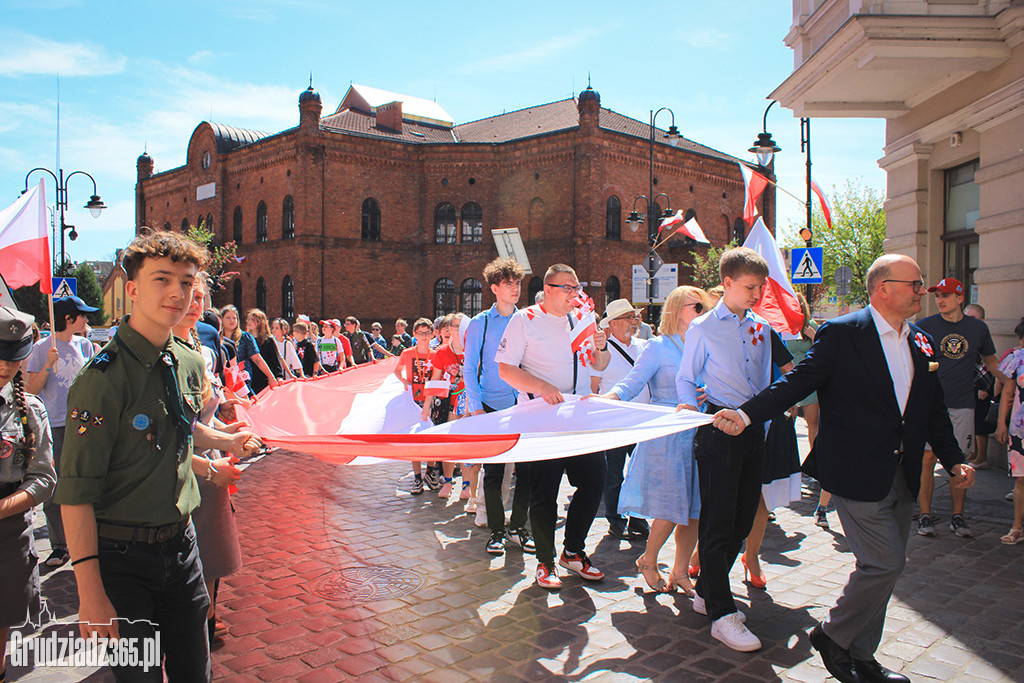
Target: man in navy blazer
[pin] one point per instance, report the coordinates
(880, 400)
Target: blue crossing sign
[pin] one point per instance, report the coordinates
(808, 264)
(64, 286)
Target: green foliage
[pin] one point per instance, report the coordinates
(221, 256)
(705, 268)
(855, 240)
(90, 292)
(30, 300)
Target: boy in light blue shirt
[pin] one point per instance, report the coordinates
(487, 392)
(728, 351)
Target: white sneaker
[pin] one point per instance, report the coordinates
(731, 631)
(700, 608)
(481, 516)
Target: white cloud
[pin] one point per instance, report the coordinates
(706, 38)
(25, 54)
(535, 52)
(14, 114)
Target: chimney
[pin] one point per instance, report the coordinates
(390, 116)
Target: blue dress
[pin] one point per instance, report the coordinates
(661, 482)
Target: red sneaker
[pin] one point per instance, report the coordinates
(547, 576)
(579, 563)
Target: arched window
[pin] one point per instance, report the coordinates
(236, 225)
(261, 294)
(371, 220)
(167, 226)
(738, 231)
(613, 219)
(612, 290)
(536, 285)
(536, 220)
(184, 225)
(287, 298)
(209, 222)
(261, 223)
(472, 222)
(444, 224)
(236, 294)
(288, 219)
(444, 297)
(472, 296)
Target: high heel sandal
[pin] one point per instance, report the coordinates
(674, 584)
(755, 580)
(658, 586)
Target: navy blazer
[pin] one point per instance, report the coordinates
(860, 428)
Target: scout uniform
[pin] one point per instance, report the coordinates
(20, 471)
(128, 452)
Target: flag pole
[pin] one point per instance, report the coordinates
(53, 328)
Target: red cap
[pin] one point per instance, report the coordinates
(948, 285)
(325, 323)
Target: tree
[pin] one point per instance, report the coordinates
(855, 240)
(705, 268)
(90, 292)
(221, 256)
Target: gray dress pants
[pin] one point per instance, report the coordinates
(877, 533)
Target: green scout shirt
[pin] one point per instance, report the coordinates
(121, 444)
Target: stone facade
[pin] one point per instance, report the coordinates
(549, 171)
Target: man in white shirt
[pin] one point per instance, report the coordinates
(536, 358)
(621, 321)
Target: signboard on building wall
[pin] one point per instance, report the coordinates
(207, 191)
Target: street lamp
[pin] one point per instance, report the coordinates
(635, 219)
(95, 204)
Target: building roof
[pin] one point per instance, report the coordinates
(232, 137)
(366, 99)
(352, 121)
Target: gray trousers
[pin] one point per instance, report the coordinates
(54, 523)
(877, 533)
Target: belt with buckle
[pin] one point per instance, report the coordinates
(141, 534)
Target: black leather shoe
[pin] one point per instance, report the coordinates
(871, 671)
(836, 659)
(638, 528)
(617, 529)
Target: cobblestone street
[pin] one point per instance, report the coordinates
(347, 577)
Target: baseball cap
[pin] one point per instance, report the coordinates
(948, 285)
(66, 305)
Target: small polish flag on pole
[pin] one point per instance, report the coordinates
(824, 204)
(754, 184)
(583, 328)
(778, 304)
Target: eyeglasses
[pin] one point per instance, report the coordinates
(698, 307)
(916, 285)
(568, 289)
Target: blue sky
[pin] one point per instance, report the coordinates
(143, 75)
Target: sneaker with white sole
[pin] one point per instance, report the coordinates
(547, 576)
(731, 631)
(522, 538)
(821, 517)
(417, 486)
(579, 563)
(958, 525)
(432, 479)
(925, 526)
(496, 543)
(700, 607)
(481, 516)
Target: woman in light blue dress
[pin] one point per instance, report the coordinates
(661, 483)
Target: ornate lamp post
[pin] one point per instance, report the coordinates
(95, 204)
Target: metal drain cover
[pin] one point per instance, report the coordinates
(367, 584)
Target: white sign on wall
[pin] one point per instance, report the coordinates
(207, 191)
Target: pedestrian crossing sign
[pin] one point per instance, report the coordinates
(65, 286)
(807, 266)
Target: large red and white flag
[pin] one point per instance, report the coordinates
(754, 185)
(24, 244)
(778, 304)
(363, 415)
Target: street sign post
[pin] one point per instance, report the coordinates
(64, 286)
(808, 265)
(843, 277)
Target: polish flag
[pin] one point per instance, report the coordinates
(778, 304)
(824, 204)
(754, 184)
(688, 228)
(584, 327)
(24, 245)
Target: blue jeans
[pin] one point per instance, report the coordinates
(160, 583)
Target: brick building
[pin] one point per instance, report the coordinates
(383, 208)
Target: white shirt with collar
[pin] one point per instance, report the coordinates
(619, 367)
(897, 356)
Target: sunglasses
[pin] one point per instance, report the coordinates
(698, 307)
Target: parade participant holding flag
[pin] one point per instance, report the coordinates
(543, 353)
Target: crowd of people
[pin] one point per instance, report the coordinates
(884, 401)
